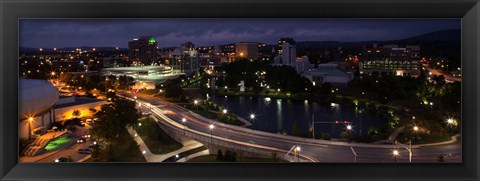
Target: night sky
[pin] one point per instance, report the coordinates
(51, 33)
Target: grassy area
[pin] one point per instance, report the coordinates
(58, 142)
(155, 138)
(213, 158)
(149, 91)
(125, 149)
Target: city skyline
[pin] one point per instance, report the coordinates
(51, 33)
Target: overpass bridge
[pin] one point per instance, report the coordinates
(263, 144)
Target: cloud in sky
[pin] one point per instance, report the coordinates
(49, 33)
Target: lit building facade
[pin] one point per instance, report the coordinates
(248, 50)
(142, 51)
(390, 60)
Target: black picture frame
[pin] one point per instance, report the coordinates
(12, 11)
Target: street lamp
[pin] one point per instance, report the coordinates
(297, 151)
(184, 120)
(415, 130)
(30, 120)
(395, 154)
(252, 117)
(211, 126)
(224, 111)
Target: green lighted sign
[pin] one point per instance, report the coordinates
(151, 40)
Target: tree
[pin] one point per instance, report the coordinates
(274, 157)
(114, 118)
(219, 154)
(174, 91)
(239, 156)
(344, 134)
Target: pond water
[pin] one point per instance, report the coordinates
(275, 115)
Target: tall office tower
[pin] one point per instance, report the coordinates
(142, 51)
(289, 54)
(282, 41)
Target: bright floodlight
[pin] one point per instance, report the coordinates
(57, 160)
(224, 111)
(144, 152)
(184, 120)
(252, 116)
(349, 127)
(139, 124)
(30, 119)
(211, 126)
(395, 152)
(195, 102)
(298, 148)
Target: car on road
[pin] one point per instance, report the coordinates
(81, 140)
(84, 151)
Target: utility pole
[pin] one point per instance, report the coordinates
(313, 126)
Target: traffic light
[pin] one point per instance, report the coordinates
(336, 121)
(344, 122)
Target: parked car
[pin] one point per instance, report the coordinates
(89, 121)
(61, 159)
(84, 151)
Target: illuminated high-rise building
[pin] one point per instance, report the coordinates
(142, 51)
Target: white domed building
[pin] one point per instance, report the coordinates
(36, 100)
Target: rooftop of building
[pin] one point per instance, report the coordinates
(78, 101)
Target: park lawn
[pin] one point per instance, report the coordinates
(156, 139)
(213, 158)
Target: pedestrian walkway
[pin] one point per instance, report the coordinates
(150, 157)
(188, 157)
(393, 136)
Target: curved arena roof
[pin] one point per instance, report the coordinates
(35, 96)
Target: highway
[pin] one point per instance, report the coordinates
(311, 150)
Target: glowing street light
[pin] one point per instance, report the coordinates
(210, 127)
(184, 120)
(297, 152)
(450, 121)
(252, 116)
(195, 102)
(415, 128)
(349, 127)
(395, 154)
(224, 111)
(30, 120)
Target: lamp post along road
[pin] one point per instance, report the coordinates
(354, 154)
(409, 148)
